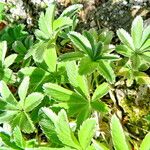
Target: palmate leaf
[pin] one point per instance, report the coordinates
(98, 49)
(64, 132)
(137, 31)
(145, 145)
(6, 105)
(118, 136)
(49, 114)
(59, 126)
(34, 48)
(40, 35)
(106, 71)
(75, 107)
(61, 94)
(13, 33)
(79, 82)
(83, 114)
(106, 36)
(86, 133)
(37, 77)
(90, 38)
(28, 41)
(15, 112)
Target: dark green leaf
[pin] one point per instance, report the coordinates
(100, 91)
(7, 140)
(100, 106)
(87, 66)
(19, 47)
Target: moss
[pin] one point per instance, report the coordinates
(137, 107)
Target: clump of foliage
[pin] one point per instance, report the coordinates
(60, 101)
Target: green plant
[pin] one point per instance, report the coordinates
(44, 51)
(131, 75)
(17, 113)
(136, 48)
(13, 33)
(58, 131)
(6, 74)
(92, 53)
(119, 137)
(52, 101)
(2, 14)
(78, 102)
(63, 134)
(21, 47)
(49, 28)
(16, 140)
